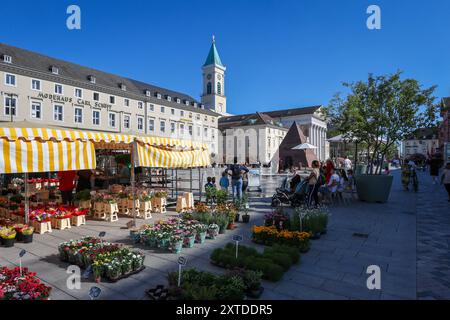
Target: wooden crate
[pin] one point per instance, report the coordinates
(61, 224)
(181, 204)
(159, 205)
(112, 212)
(145, 210)
(77, 221)
(42, 227)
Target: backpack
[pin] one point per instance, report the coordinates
(321, 179)
(236, 172)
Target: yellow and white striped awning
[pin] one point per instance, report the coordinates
(152, 157)
(45, 134)
(46, 149)
(46, 156)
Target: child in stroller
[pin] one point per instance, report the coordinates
(285, 195)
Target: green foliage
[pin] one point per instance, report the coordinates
(84, 195)
(272, 264)
(382, 111)
(199, 285)
(221, 196)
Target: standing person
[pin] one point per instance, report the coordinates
(435, 164)
(213, 181)
(66, 185)
(347, 164)
(84, 180)
(224, 182)
(124, 175)
(445, 180)
(314, 183)
(236, 172)
(406, 176)
(329, 169)
(209, 183)
(245, 179)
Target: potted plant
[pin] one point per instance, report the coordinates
(201, 232)
(379, 113)
(27, 234)
(8, 236)
(189, 239)
(213, 231)
(176, 243)
(222, 221)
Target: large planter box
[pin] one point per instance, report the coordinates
(77, 221)
(42, 227)
(374, 188)
(159, 205)
(61, 224)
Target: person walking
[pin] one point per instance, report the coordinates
(66, 185)
(435, 165)
(314, 183)
(236, 173)
(445, 180)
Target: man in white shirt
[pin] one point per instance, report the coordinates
(347, 164)
(334, 182)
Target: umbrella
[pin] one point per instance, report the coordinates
(304, 146)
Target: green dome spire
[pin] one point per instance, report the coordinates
(213, 56)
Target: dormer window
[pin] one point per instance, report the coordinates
(178, 100)
(195, 105)
(92, 79)
(7, 59)
(148, 93)
(186, 102)
(123, 87)
(169, 98)
(55, 70)
(202, 106)
(158, 95)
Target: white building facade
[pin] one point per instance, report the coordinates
(262, 134)
(55, 93)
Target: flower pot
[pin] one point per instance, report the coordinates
(222, 229)
(374, 188)
(213, 233)
(177, 247)
(246, 218)
(231, 226)
(189, 241)
(19, 236)
(163, 243)
(200, 237)
(8, 243)
(27, 238)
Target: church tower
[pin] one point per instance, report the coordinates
(214, 82)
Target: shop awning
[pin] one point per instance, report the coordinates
(21, 156)
(25, 148)
(153, 157)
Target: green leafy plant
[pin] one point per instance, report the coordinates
(381, 112)
(84, 195)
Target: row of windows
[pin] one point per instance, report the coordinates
(58, 115)
(10, 80)
(92, 79)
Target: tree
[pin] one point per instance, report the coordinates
(381, 112)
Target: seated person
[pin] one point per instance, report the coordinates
(295, 180)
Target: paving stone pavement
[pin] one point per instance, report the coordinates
(433, 241)
(334, 269)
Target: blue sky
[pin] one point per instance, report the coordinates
(278, 54)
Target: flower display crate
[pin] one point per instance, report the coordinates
(21, 284)
(61, 224)
(110, 262)
(189, 196)
(111, 212)
(181, 204)
(78, 221)
(85, 204)
(42, 227)
(145, 210)
(159, 205)
(123, 207)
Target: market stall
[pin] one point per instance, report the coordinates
(27, 149)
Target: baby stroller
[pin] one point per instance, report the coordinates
(294, 198)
